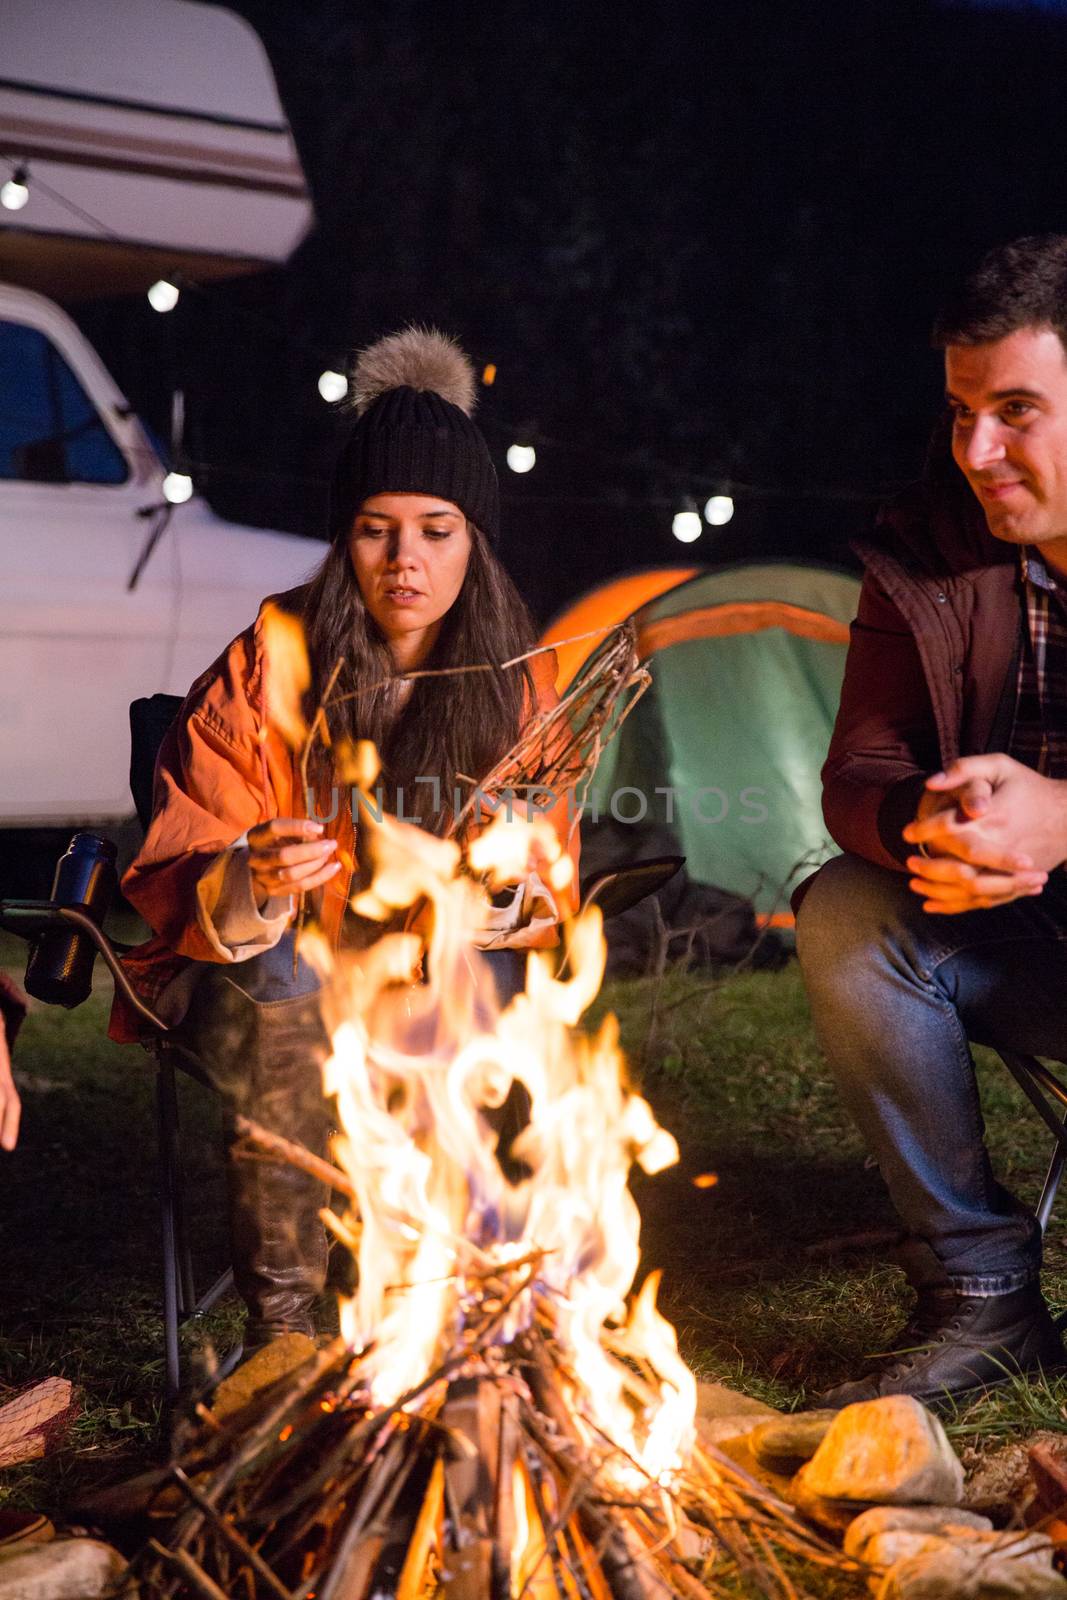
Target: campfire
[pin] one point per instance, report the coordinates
(497, 1419)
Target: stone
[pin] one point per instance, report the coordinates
(63, 1569)
(977, 1566)
(722, 1413)
(890, 1451)
(785, 1443)
(999, 1483)
(834, 1515)
(276, 1360)
(891, 1533)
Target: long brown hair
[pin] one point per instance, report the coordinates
(450, 725)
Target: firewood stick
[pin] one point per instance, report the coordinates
(189, 1569)
(230, 1534)
(295, 1154)
(362, 1434)
(597, 1525)
(264, 1434)
(413, 1574)
(350, 1570)
(329, 1477)
(788, 1588)
(582, 1561)
(318, 724)
(550, 1550)
(503, 1521)
(627, 1575)
(659, 1550)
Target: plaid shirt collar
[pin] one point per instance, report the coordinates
(1039, 732)
(1035, 571)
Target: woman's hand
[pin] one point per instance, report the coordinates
(10, 1104)
(288, 855)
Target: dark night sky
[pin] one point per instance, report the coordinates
(695, 238)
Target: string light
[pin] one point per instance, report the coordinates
(177, 488)
(163, 295)
(687, 524)
(333, 386)
(719, 510)
(521, 457)
(16, 191)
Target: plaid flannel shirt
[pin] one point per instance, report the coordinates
(1039, 730)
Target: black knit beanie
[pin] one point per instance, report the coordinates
(413, 434)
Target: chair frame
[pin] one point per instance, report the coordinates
(181, 1304)
(1041, 1087)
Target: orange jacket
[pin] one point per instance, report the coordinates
(223, 768)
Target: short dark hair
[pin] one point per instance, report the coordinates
(1018, 285)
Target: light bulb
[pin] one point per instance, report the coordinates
(521, 457)
(333, 386)
(687, 526)
(719, 510)
(177, 488)
(15, 192)
(163, 295)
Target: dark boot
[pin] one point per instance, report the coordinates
(956, 1343)
(265, 1057)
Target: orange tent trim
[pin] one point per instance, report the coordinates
(603, 608)
(743, 616)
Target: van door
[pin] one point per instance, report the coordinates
(76, 645)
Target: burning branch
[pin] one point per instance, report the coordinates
(497, 1421)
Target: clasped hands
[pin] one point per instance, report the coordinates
(993, 830)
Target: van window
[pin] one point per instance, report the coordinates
(50, 431)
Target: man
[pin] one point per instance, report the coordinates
(946, 787)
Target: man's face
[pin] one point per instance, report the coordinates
(1009, 434)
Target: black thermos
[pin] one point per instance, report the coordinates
(60, 969)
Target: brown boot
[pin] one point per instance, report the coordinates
(265, 1057)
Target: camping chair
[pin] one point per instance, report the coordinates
(1041, 1087)
(150, 718)
(149, 721)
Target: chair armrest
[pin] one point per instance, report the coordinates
(30, 918)
(619, 888)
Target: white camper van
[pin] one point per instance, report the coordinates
(107, 592)
(145, 140)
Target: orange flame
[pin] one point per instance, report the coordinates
(416, 1067)
(287, 674)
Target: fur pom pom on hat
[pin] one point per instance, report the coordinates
(415, 358)
(413, 434)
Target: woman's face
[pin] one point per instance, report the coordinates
(409, 553)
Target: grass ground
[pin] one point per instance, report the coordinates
(764, 1294)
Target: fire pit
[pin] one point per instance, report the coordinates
(495, 1419)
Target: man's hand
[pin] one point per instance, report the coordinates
(993, 828)
(10, 1104)
(288, 855)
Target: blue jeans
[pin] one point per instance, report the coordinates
(895, 996)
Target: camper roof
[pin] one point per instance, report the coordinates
(167, 55)
(154, 141)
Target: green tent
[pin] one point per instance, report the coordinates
(725, 747)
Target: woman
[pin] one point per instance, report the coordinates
(410, 582)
